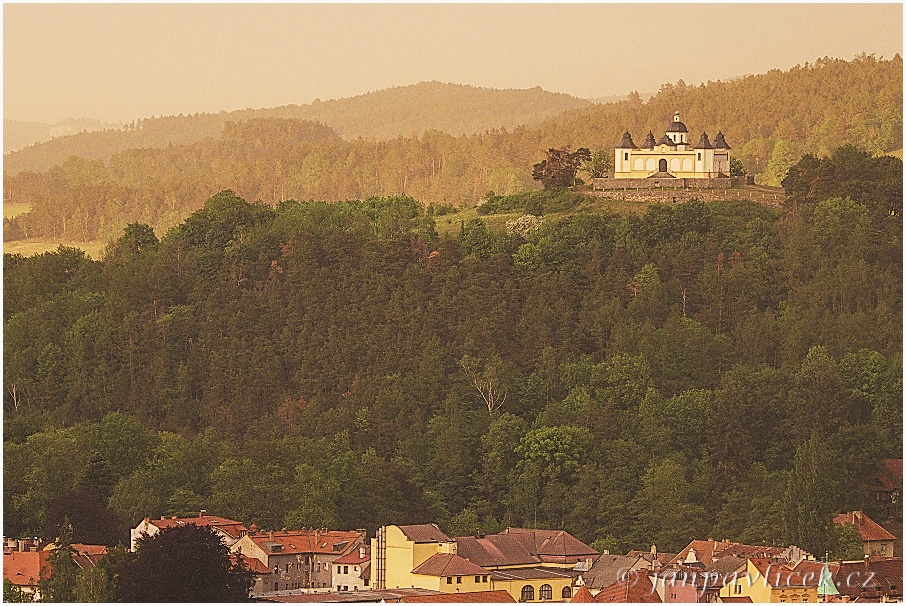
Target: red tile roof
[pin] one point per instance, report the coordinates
(778, 575)
(890, 476)
(308, 541)
(353, 557)
(253, 564)
(91, 550)
(424, 533)
(704, 551)
(635, 588)
(741, 599)
(553, 546)
(870, 580)
(448, 565)
(519, 546)
(26, 568)
(741, 550)
(868, 528)
(485, 597)
(231, 527)
(582, 596)
(813, 566)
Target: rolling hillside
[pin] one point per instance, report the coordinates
(769, 120)
(401, 111)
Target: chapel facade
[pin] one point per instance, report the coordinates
(672, 156)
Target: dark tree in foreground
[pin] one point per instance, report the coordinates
(558, 170)
(183, 564)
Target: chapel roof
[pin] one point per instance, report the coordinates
(626, 142)
(719, 142)
(704, 143)
(676, 126)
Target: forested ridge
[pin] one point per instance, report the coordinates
(770, 120)
(699, 370)
(399, 111)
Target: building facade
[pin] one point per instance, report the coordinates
(530, 565)
(672, 156)
(298, 559)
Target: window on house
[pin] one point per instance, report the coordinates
(355, 587)
(345, 569)
(566, 593)
(276, 585)
(484, 578)
(458, 580)
(478, 578)
(345, 587)
(546, 592)
(449, 580)
(626, 156)
(338, 588)
(699, 155)
(366, 582)
(528, 593)
(319, 567)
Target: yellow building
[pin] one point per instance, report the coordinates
(422, 556)
(530, 565)
(765, 582)
(672, 156)
(535, 584)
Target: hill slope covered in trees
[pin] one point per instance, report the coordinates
(769, 120)
(699, 370)
(384, 114)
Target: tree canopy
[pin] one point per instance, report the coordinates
(183, 564)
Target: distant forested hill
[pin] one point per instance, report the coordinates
(18, 134)
(769, 120)
(405, 110)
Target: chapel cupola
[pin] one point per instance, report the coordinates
(677, 131)
(649, 141)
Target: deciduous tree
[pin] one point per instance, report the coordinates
(183, 564)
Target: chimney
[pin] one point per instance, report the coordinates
(271, 534)
(147, 521)
(361, 552)
(172, 517)
(163, 517)
(867, 560)
(202, 512)
(653, 549)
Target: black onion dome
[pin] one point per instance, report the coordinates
(677, 127)
(719, 142)
(649, 141)
(704, 143)
(626, 142)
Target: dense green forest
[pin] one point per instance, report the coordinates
(720, 369)
(266, 158)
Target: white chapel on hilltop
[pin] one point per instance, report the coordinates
(672, 156)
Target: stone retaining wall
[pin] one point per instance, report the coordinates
(714, 183)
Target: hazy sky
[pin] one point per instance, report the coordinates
(129, 61)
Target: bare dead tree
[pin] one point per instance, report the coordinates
(484, 377)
